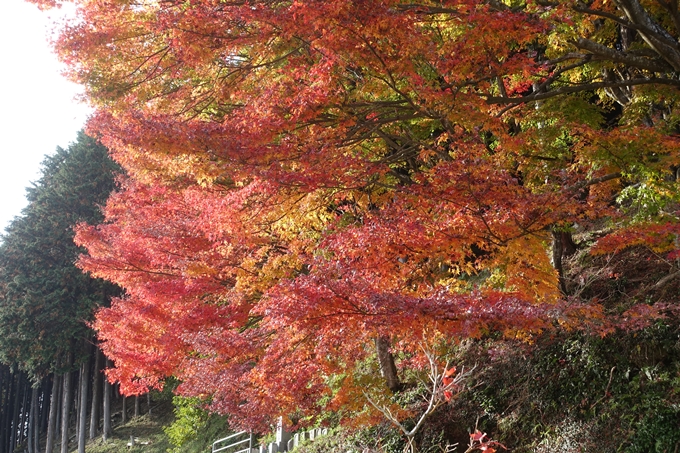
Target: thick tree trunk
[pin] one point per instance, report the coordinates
(106, 428)
(388, 369)
(562, 245)
(82, 406)
(52, 419)
(136, 405)
(66, 405)
(96, 381)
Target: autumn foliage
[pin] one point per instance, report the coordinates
(308, 177)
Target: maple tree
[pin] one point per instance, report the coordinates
(309, 180)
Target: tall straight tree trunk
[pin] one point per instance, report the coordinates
(14, 398)
(37, 421)
(136, 405)
(6, 392)
(75, 404)
(66, 405)
(23, 418)
(124, 413)
(60, 398)
(52, 419)
(387, 367)
(15, 414)
(44, 404)
(106, 428)
(96, 380)
(82, 406)
(33, 420)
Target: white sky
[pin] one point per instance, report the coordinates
(37, 107)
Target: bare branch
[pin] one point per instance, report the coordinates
(437, 393)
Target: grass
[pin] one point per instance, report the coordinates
(147, 431)
(149, 436)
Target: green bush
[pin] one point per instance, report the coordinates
(194, 429)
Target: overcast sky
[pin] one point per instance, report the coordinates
(37, 107)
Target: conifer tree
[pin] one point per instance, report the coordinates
(44, 299)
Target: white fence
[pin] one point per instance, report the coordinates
(244, 442)
(302, 436)
(236, 443)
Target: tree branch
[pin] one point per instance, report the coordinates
(495, 100)
(620, 57)
(653, 34)
(592, 182)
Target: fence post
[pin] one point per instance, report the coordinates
(282, 436)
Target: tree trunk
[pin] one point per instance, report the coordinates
(66, 405)
(106, 429)
(388, 369)
(4, 407)
(23, 419)
(82, 412)
(33, 420)
(43, 403)
(562, 245)
(96, 381)
(59, 400)
(124, 412)
(136, 405)
(75, 404)
(37, 421)
(15, 414)
(52, 420)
